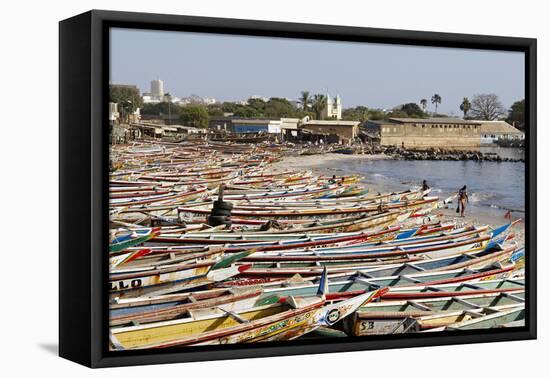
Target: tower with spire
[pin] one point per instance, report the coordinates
(333, 108)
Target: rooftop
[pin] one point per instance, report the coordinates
(502, 127)
(331, 123)
(433, 120)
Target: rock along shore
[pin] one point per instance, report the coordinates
(443, 154)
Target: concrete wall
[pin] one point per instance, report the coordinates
(429, 135)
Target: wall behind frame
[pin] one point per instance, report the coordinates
(29, 162)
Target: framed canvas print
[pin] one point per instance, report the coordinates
(234, 188)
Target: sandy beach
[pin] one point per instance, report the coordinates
(317, 163)
(329, 164)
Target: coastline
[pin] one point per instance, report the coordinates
(329, 164)
(317, 163)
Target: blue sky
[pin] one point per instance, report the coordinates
(374, 75)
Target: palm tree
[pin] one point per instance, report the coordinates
(436, 99)
(424, 104)
(305, 100)
(318, 104)
(465, 106)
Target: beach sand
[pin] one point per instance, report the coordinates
(316, 163)
(323, 164)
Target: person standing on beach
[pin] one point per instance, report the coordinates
(462, 200)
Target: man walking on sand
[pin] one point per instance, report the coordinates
(462, 200)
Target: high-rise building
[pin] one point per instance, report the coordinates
(157, 89)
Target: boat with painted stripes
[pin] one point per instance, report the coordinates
(391, 317)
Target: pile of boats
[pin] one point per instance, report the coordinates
(297, 255)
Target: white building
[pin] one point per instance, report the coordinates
(195, 99)
(209, 100)
(257, 97)
(148, 98)
(157, 89)
(333, 109)
(493, 131)
(113, 112)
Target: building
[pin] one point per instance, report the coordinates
(157, 90)
(333, 108)
(246, 125)
(426, 132)
(195, 99)
(125, 86)
(346, 131)
(243, 126)
(114, 115)
(289, 128)
(493, 131)
(148, 98)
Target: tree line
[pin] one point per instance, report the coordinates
(482, 107)
(488, 107)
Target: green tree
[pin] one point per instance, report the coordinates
(160, 108)
(436, 99)
(516, 114)
(465, 106)
(214, 110)
(279, 107)
(246, 111)
(397, 113)
(305, 100)
(257, 104)
(359, 113)
(194, 115)
(127, 98)
(412, 110)
(376, 114)
(424, 104)
(487, 107)
(229, 107)
(318, 104)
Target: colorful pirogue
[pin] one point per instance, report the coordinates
(210, 245)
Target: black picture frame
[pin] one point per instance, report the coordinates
(83, 167)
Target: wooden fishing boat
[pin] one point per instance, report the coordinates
(271, 264)
(122, 240)
(266, 242)
(378, 267)
(428, 245)
(436, 247)
(172, 197)
(400, 288)
(390, 317)
(299, 247)
(280, 321)
(336, 212)
(173, 277)
(512, 316)
(145, 311)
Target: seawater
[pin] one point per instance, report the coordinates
(490, 184)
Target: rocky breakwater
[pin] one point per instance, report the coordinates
(444, 154)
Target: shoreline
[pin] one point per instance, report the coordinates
(315, 162)
(320, 164)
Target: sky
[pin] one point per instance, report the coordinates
(381, 76)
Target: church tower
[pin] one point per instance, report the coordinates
(333, 108)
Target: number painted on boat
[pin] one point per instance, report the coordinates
(365, 326)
